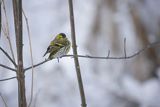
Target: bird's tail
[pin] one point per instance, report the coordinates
(45, 53)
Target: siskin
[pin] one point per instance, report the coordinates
(58, 47)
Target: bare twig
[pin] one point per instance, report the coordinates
(153, 45)
(8, 56)
(74, 46)
(30, 45)
(6, 32)
(121, 57)
(9, 68)
(17, 10)
(36, 65)
(7, 79)
(3, 99)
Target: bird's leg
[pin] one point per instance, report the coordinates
(58, 59)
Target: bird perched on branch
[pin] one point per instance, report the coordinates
(58, 47)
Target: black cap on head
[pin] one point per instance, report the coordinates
(63, 35)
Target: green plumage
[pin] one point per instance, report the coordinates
(58, 47)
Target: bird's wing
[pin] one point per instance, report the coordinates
(59, 45)
(54, 50)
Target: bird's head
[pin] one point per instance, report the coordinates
(61, 36)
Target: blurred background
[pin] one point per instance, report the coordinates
(101, 25)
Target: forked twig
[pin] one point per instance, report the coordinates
(94, 57)
(87, 56)
(105, 57)
(113, 57)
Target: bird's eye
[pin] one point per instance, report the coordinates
(63, 35)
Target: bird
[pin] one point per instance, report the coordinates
(58, 47)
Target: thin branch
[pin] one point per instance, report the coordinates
(74, 46)
(36, 65)
(17, 11)
(4, 66)
(30, 45)
(7, 31)
(122, 57)
(3, 99)
(8, 56)
(7, 79)
(99, 57)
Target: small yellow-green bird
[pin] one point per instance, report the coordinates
(58, 47)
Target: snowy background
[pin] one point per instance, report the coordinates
(101, 25)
